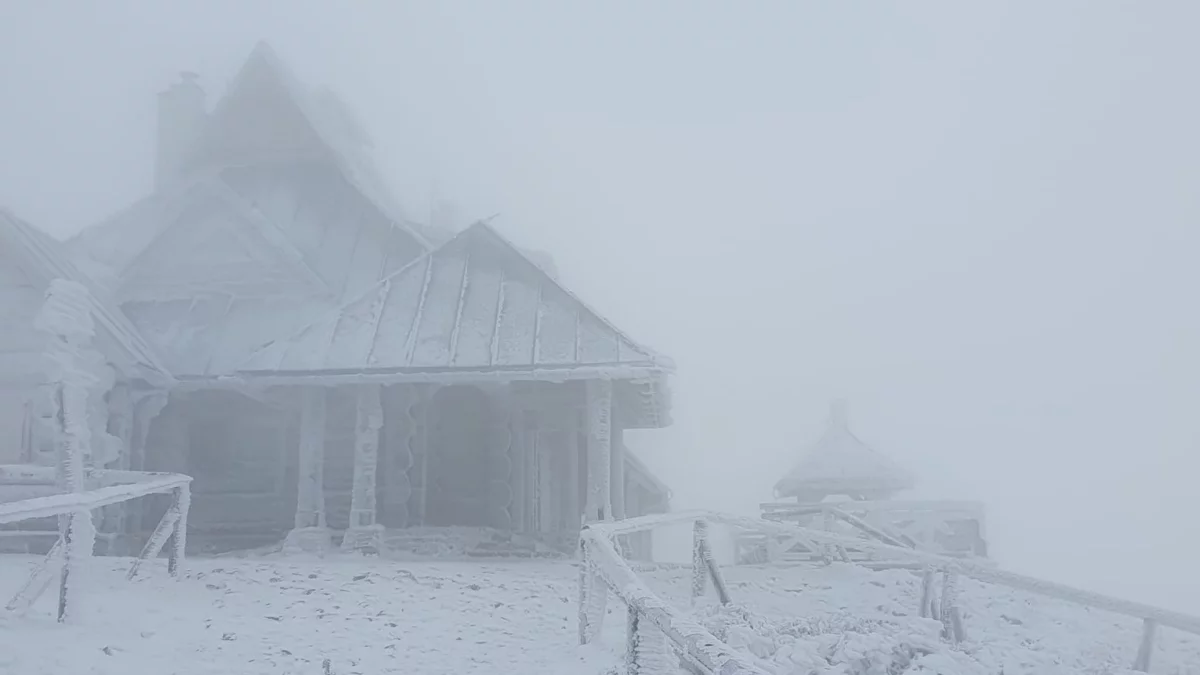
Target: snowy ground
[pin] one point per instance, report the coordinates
(284, 616)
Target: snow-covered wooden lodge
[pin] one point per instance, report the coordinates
(324, 368)
(840, 476)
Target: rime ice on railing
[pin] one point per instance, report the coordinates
(593, 596)
(67, 321)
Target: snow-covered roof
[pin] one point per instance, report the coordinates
(106, 248)
(476, 304)
(329, 118)
(212, 335)
(271, 253)
(44, 258)
(841, 464)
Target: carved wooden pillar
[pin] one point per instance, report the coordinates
(571, 478)
(396, 459)
(543, 468)
(311, 534)
(418, 448)
(500, 460)
(534, 483)
(364, 533)
(520, 466)
(599, 449)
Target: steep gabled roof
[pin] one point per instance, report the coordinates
(110, 245)
(840, 464)
(211, 335)
(476, 304)
(43, 258)
(329, 120)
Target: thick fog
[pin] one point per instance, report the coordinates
(977, 223)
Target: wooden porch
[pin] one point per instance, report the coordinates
(473, 469)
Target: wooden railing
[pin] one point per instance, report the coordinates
(603, 568)
(115, 487)
(659, 637)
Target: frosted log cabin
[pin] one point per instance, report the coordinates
(329, 372)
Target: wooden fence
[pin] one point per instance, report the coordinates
(655, 629)
(115, 487)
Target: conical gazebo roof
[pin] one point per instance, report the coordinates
(841, 464)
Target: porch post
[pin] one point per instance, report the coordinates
(571, 486)
(599, 446)
(617, 479)
(364, 533)
(520, 466)
(311, 534)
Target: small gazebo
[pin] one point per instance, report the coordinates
(841, 465)
(841, 483)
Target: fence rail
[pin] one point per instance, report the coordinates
(117, 487)
(708, 655)
(652, 622)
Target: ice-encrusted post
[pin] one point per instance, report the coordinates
(928, 579)
(599, 450)
(647, 650)
(593, 596)
(951, 619)
(311, 534)
(364, 533)
(1146, 648)
(699, 571)
(181, 503)
(704, 565)
(66, 318)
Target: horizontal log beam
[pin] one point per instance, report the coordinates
(44, 507)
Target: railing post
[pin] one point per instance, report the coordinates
(1146, 648)
(951, 619)
(647, 649)
(593, 596)
(927, 593)
(699, 568)
(181, 503)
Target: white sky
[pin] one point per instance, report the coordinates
(975, 221)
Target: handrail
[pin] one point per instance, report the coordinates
(53, 505)
(692, 640)
(36, 474)
(1151, 616)
(72, 504)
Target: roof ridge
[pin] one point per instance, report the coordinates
(473, 231)
(52, 263)
(298, 94)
